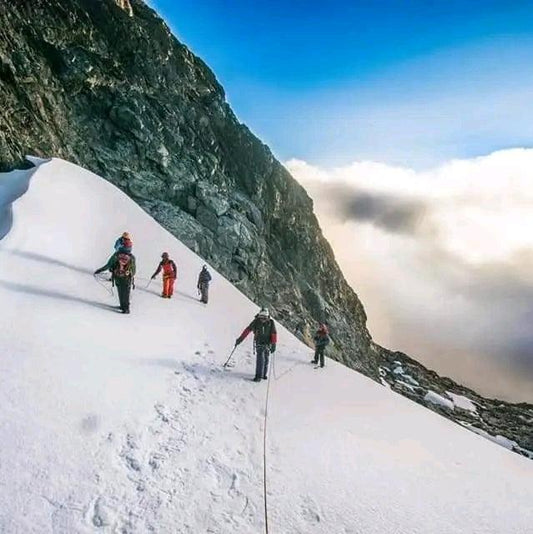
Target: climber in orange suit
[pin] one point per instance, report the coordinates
(170, 273)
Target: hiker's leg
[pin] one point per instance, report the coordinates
(205, 292)
(171, 286)
(127, 293)
(259, 362)
(266, 360)
(165, 286)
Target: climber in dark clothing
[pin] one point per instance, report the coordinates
(265, 339)
(321, 342)
(203, 284)
(122, 267)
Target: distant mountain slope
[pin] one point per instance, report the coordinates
(114, 423)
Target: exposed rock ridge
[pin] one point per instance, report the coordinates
(121, 96)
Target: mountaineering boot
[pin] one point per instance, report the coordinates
(314, 361)
(265, 377)
(257, 379)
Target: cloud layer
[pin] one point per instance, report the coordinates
(442, 259)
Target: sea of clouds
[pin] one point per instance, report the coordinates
(442, 260)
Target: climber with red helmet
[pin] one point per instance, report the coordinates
(170, 273)
(321, 341)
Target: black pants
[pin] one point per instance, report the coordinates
(262, 354)
(319, 353)
(204, 290)
(123, 286)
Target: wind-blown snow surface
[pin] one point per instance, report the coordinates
(113, 423)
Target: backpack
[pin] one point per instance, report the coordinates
(123, 265)
(262, 331)
(169, 268)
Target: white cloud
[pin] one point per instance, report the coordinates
(442, 259)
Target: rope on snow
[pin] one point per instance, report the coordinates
(265, 498)
(100, 282)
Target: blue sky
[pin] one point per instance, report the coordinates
(403, 82)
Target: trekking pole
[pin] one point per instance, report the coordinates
(227, 361)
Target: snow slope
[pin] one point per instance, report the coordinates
(114, 423)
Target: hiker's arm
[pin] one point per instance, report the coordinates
(158, 270)
(273, 334)
(108, 266)
(245, 333)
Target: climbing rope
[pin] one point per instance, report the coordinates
(265, 498)
(99, 281)
(286, 372)
(272, 371)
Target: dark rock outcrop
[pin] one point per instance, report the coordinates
(103, 83)
(118, 94)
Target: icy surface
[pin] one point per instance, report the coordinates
(462, 402)
(435, 398)
(113, 423)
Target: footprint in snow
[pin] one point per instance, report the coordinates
(309, 511)
(102, 515)
(132, 463)
(162, 413)
(90, 423)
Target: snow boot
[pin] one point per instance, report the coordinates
(257, 379)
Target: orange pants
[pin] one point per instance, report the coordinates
(168, 285)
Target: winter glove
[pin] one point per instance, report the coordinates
(133, 283)
(272, 348)
(153, 277)
(238, 341)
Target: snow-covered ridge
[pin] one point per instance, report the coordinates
(115, 423)
(12, 186)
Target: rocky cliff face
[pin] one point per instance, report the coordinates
(104, 84)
